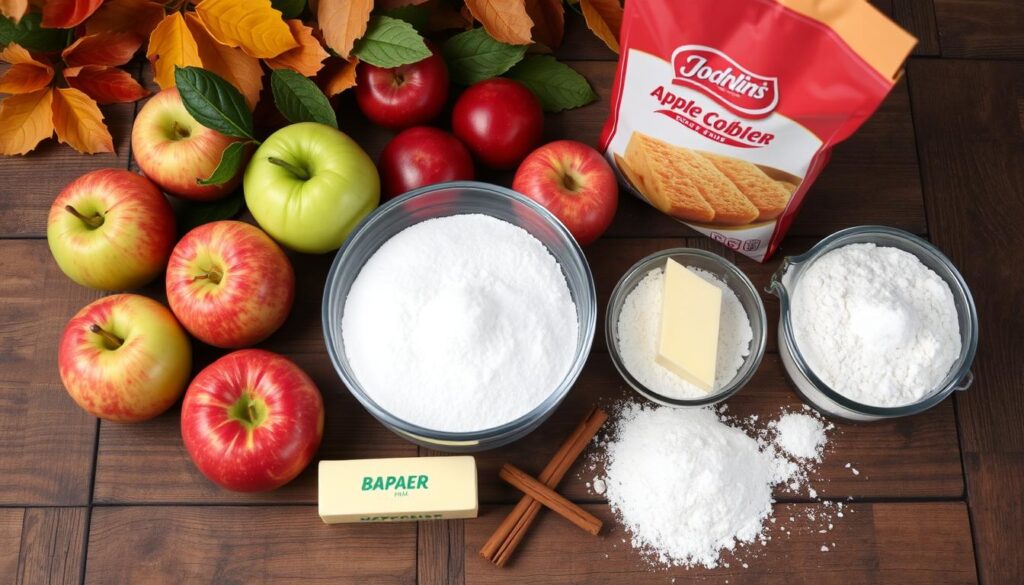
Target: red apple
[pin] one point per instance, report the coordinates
(111, 229)
(575, 183)
(229, 284)
(499, 120)
(124, 358)
(252, 421)
(422, 156)
(403, 96)
(175, 151)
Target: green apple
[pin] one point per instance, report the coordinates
(308, 185)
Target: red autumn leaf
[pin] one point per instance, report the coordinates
(102, 49)
(548, 21)
(137, 16)
(68, 13)
(106, 85)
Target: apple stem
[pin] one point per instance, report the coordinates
(107, 336)
(296, 170)
(179, 130)
(250, 409)
(214, 276)
(93, 222)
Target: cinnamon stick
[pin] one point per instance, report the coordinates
(500, 546)
(551, 499)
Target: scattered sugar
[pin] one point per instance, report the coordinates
(800, 435)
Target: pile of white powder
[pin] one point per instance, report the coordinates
(800, 435)
(460, 323)
(637, 333)
(876, 324)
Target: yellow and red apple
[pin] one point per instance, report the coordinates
(252, 421)
(111, 229)
(229, 284)
(176, 151)
(124, 358)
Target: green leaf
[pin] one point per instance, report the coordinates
(289, 8)
(299, 99)
(214, 102)
(474, 55)
(230, 161)
(196, 213)
(415, 14)
(390, 42)
(29, 34)
(557, 86)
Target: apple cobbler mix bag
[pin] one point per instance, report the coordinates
(725, 111)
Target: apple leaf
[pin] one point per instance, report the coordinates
(557, 86)
(230, 161)
(474, 55)
(196, 213)
(390, 42)
(299, 99)
(29, 34)
(289, 8)
(214, 102)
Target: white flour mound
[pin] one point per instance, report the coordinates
(876, 324)
(800, 435)
(460, 323)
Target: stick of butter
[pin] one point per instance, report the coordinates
(688, 338)
(397, 490)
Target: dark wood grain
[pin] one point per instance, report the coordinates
(873, 544)
(46, 441)
(11, 520)
(244, 544)
(972, 150)
(987, 29)
(918, 18)
(439, 553)
(52, 546)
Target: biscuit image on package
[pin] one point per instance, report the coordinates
(767, 195)
(664, 180)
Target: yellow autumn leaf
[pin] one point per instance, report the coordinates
(25, 75)
(13, 9)
(171, 44)
(79, 122)
(25, 121)
(337, 76)
(237, 68)
(343, 22)
(307, 58)
(252, 25)
(604, 18)
(505, 20)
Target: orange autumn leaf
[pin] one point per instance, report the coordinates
(548, 21)
(237, 68)
(25, 121)
(307, 58)
(505, 20)
(13, 9)
(106, 85)
(25, 75)
(68, 13)
(343, 22)
(604, 18)
(79, 122)
(337, 76)
(112, 49)
(137, 16)
(252, 25)
(171, 44)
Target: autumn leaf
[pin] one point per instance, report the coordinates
(106, 85)
(68, 13)
(25, 75)
(252, 25)
(79, 122)
(307, 58)
(337, 76)
(171, 44)
(392, 4)
(604, 18)
(109, 49)
(548, 21)
(343, 22)
(237, 68)
(25, 121)
(13, 9)
(137, 16)
(506, 21)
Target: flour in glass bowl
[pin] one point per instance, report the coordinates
(460, 323)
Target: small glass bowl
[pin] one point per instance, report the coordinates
(816, 392)
(723, 269)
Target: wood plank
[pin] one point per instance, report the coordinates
(52, 546)
(40, 422)
(871, 546)
(439, 553)
(11, 520)
(918, 18)
(981, 29)
(973, 157)
(244, 544)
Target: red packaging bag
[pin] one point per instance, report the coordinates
(724, 112)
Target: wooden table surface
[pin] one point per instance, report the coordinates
(939, 498)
